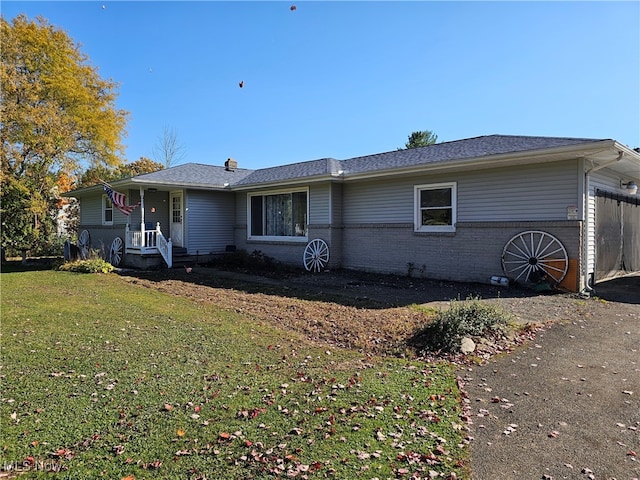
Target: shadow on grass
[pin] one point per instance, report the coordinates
(344, 287)
(31, 264)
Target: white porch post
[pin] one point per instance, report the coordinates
(144, 241)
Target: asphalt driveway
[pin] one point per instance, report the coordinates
(566, 406)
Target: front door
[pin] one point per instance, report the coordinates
(177, 230)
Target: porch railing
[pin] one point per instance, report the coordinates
(143, 240)
(165, 248)
(150, 241)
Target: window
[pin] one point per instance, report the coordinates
(278, 215)
(107, 211)
(435, 207)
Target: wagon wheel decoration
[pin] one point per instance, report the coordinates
(532, 255)
(116, 252)
(316, 255)
(67, 251)
(84, 244)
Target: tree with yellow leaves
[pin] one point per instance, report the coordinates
(56, 114)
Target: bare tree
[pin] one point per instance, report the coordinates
(168, 151)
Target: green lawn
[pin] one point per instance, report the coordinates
(101, 379)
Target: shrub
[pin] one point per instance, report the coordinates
(92, 265)
(469, 318)
(255, 261)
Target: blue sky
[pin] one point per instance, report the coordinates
(344, 79)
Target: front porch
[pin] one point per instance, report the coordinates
(148, 241)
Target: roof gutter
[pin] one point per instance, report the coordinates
(605, 165)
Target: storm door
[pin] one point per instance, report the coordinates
(177, 224)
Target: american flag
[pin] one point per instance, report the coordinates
(118, 199)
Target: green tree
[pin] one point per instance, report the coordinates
(56, 114)
(421, 138)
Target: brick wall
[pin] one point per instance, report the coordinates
(472, 253)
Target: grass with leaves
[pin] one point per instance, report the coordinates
(102, 379)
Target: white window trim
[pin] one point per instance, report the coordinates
(273, 238)
(417, 221)
(106, 199)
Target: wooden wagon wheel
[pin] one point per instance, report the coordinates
(116, 252)
(316, 255)
(84, 244)
(532, 255)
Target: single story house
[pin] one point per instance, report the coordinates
(526, 208)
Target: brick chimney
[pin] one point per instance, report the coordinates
(230, 165)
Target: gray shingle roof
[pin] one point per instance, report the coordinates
(313, 168)
(197, 175)
(194, 174)
(457, 150)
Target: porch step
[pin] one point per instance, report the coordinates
(178, 251)
(181, 258)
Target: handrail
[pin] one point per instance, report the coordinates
(165, 248)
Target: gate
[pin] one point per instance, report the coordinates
(617, 235)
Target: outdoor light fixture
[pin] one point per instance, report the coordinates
(632, 187)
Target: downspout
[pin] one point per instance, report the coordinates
(588, 290)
